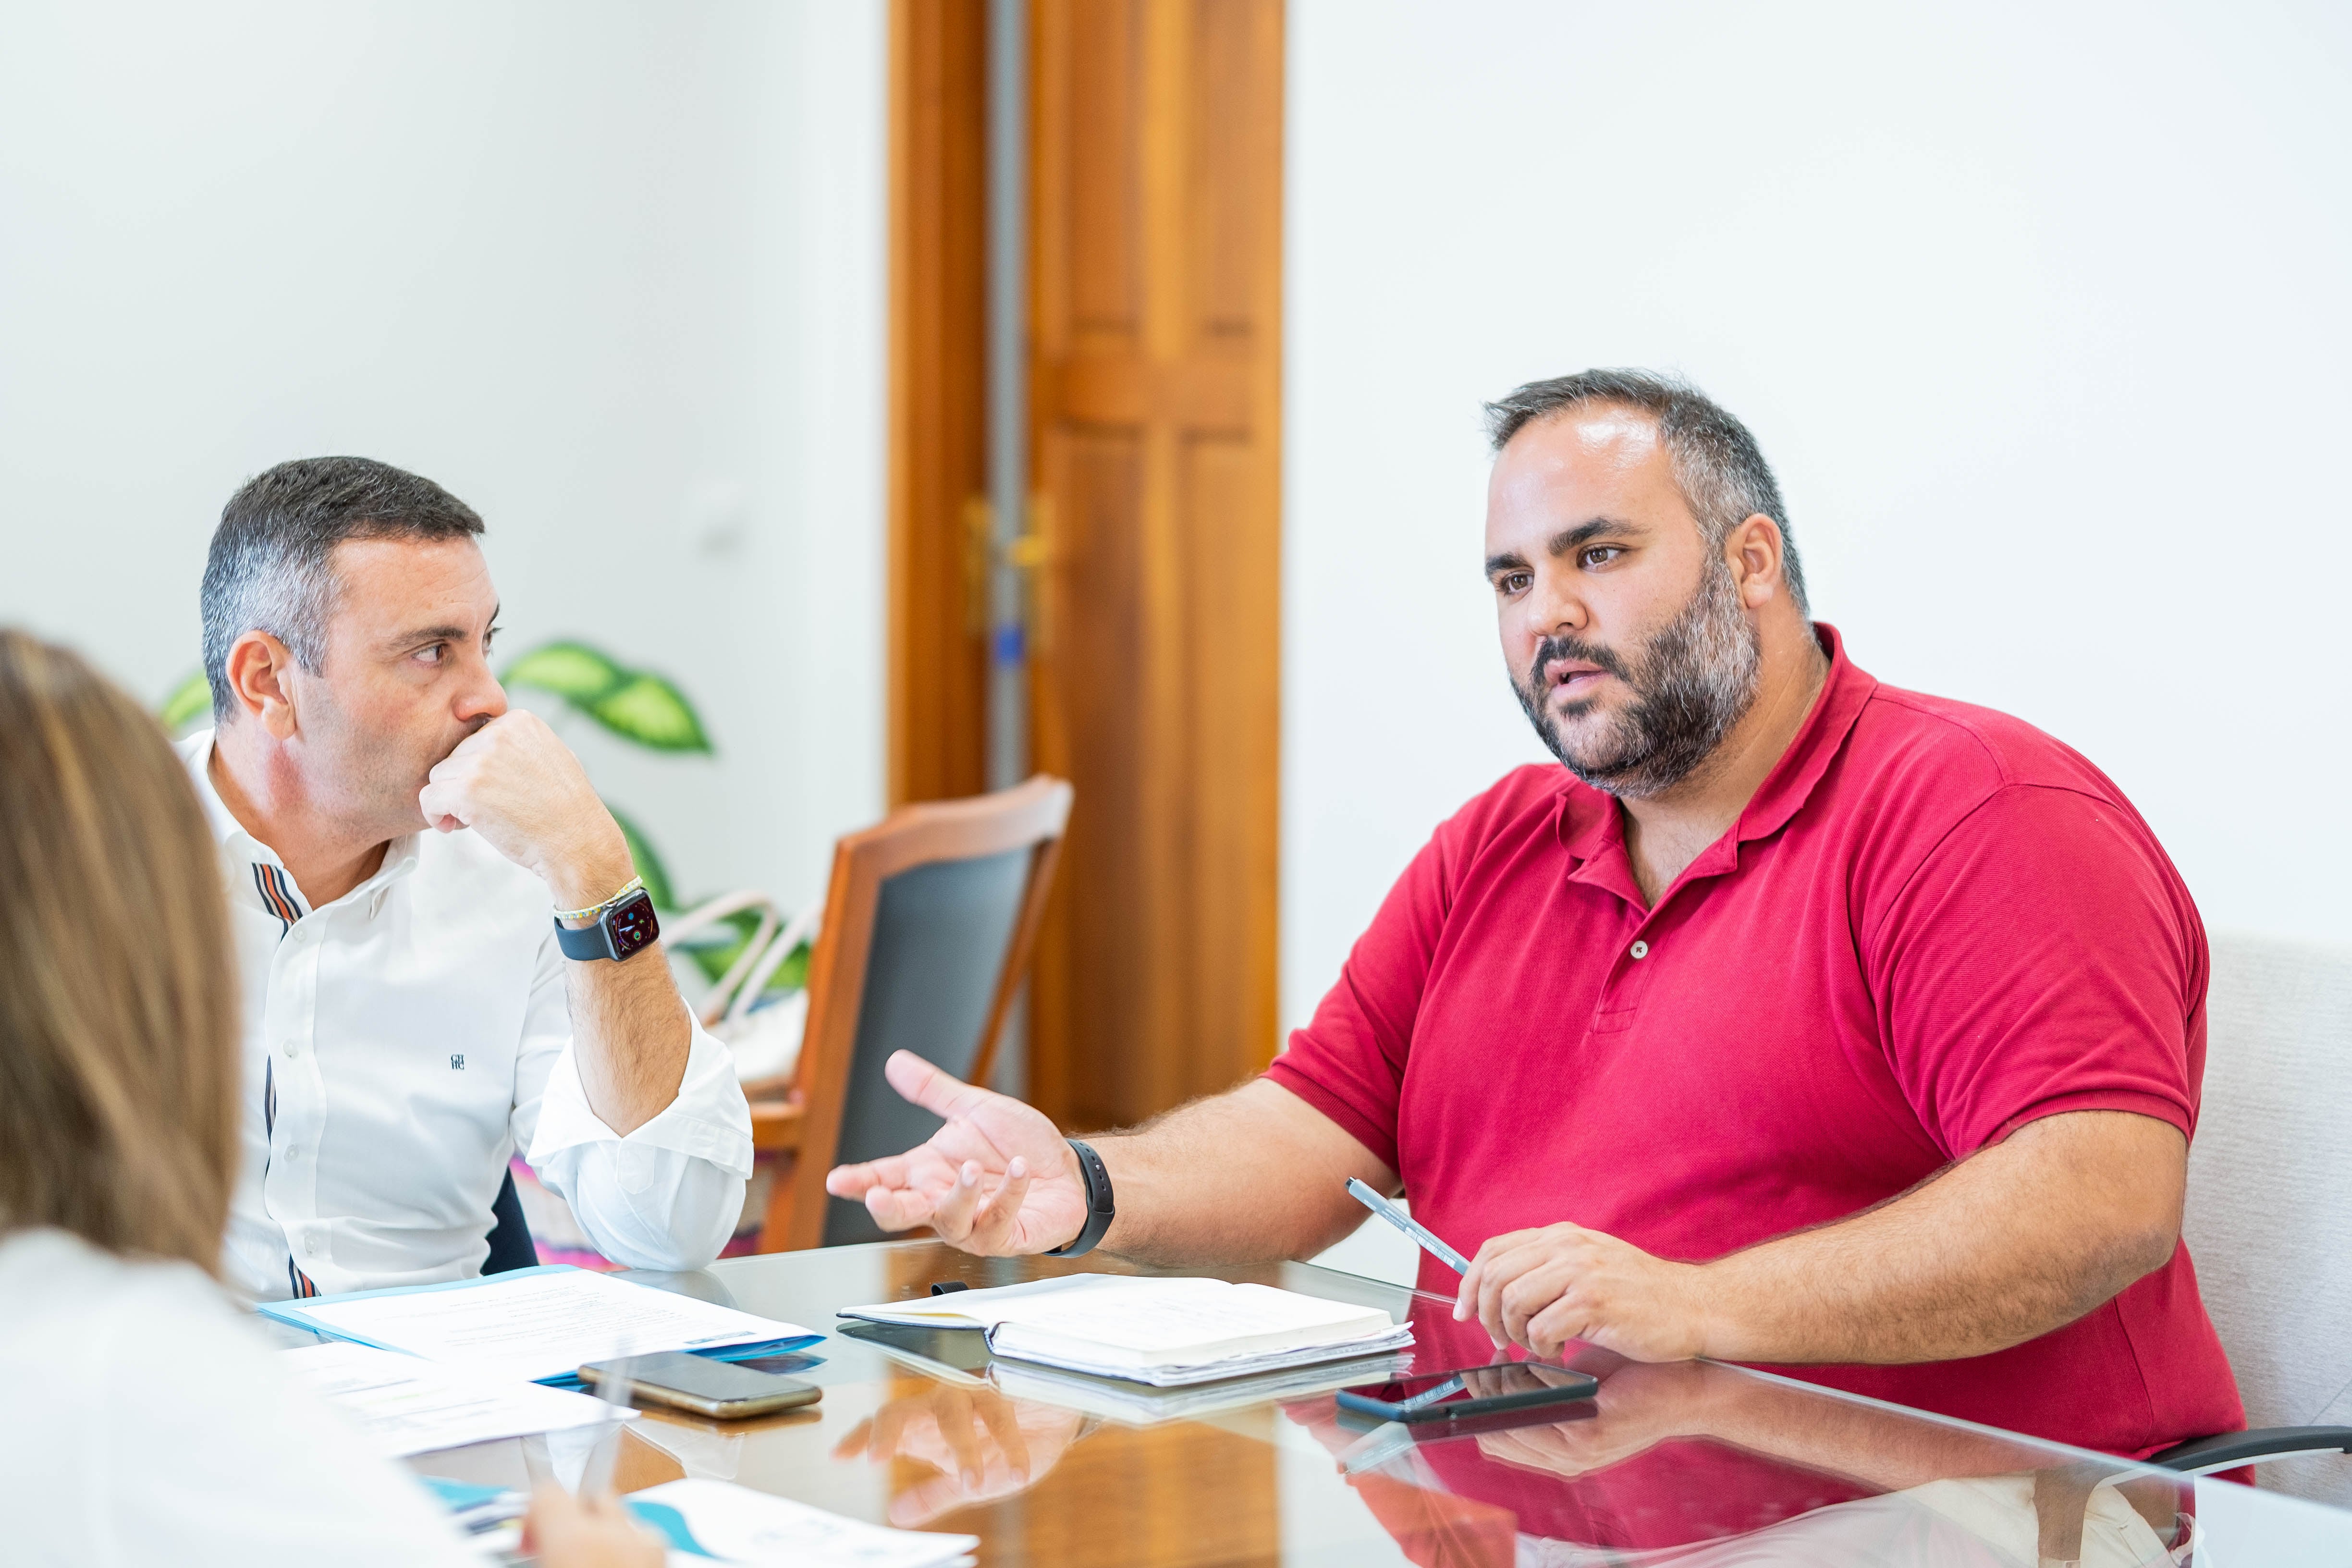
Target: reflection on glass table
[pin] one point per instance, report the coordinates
(956, 1444)
(1692, 1463)
(1703, 1464)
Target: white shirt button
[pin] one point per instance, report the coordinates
(1641, 950)
(310, 1245)
(290, 1048)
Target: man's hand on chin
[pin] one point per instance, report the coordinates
(516, 784)
(1543, 1288)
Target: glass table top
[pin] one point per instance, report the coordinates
(1693, 1464)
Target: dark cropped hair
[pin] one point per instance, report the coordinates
(1717, 463)
(271, 567)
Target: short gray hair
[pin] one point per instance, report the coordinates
(1717, 463)
(271, 566)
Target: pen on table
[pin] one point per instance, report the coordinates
(1407, 1223)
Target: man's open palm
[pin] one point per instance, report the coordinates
(998, 1179)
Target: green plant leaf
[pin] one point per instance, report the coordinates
(647, 862)
(715, 951)
(572, 670)
(791, 974)
(715, 962)
(190, 698)
(717, 958)
(651, 712)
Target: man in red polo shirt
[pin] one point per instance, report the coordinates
(1793, 1020)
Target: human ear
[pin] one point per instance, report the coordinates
(260, 669)
(1752, 551)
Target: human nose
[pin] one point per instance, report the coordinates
(1554, 607)
(482, 698)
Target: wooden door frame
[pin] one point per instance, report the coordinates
(938, 647)
(941, 568)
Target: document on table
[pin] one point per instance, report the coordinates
(1161, 1330)
(404, 1406)
(735, 1524)
(1137, 1403)
(531, 1324)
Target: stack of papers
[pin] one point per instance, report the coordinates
(534, 1324)
(735, 1524)
(1140, 1405)
(1164, 1332)
(404, 1406)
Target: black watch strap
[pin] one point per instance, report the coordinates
(1100, 1210)
(627, 928)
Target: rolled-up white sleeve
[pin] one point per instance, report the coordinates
(669, 1194)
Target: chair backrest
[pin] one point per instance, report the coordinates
(927, 928)
(2269, 1220)
(511, 1247)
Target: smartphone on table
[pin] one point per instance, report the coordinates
(724, 1389)
(1469, 1392)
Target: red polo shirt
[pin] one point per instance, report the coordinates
(1931, 925)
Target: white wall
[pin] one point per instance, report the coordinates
(2040, 310)
(612, 272)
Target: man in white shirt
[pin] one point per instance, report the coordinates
(400, 850)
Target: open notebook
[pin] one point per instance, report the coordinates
(1165, 1333)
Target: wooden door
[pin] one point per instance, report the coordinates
(1155, 648)
(1154, 559)
(937, 679)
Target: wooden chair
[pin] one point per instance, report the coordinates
(927, 928)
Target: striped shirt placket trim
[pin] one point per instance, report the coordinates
(278, 898)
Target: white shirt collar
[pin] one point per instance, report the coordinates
(230, 835)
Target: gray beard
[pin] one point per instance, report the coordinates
(1691, 682)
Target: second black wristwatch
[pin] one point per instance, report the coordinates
(1100, 1210)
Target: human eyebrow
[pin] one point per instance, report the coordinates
(425, 635)
(1569, 539)
(1510, 561)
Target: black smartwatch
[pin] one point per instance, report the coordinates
(1101, 1211)
(621, 929)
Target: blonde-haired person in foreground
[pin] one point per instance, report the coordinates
(141, 1420)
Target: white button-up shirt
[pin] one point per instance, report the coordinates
(401, 1043)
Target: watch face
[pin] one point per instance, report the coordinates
(633, 925)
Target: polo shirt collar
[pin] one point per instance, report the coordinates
(230, 836)
(1590, 828)
(1819, 740)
